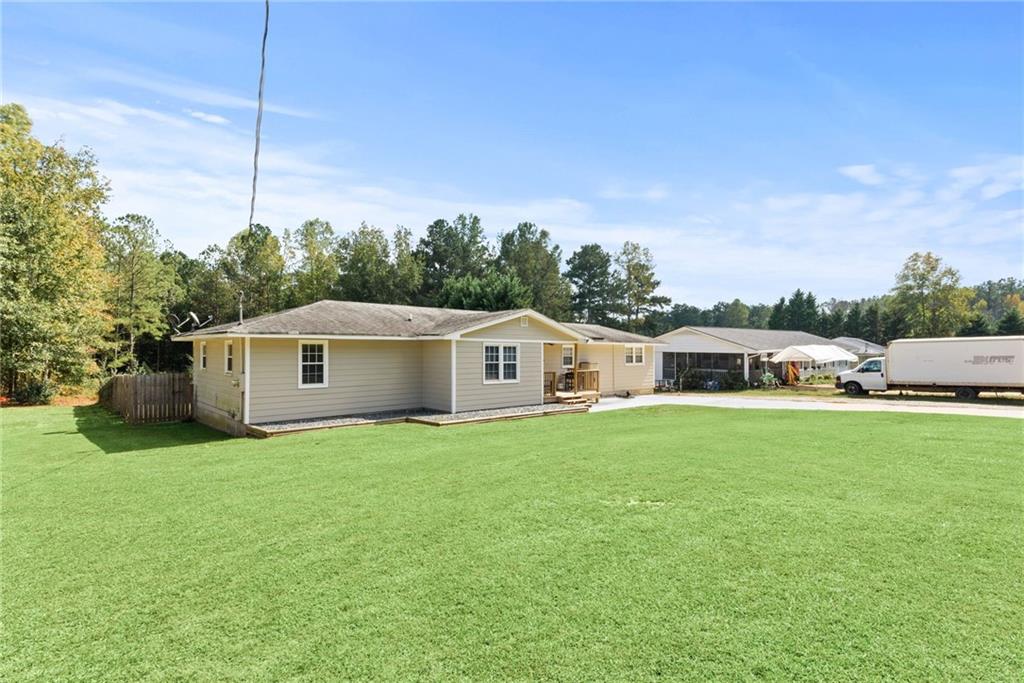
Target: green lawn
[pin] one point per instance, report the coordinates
(673, 543)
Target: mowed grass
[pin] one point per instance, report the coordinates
(672, 543)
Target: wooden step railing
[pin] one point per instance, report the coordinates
(550, 383)
(587, 380)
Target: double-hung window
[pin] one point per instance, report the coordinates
(568, 356)
(634, 355)
(312, 364)
(229, 357)
(501, 363)
(202, 355)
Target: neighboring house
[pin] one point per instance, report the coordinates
(336, 358)
(724, 349)
(861, 348)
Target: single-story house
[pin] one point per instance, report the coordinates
(333, 358)
(714, 350)
(861, 348)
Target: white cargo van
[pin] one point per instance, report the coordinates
(963, 365)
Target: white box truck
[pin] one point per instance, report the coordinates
(963, 365)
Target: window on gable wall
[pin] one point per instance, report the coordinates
(501, 363)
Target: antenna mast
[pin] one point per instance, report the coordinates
(259, 109)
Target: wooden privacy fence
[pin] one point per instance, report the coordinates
(141, 399)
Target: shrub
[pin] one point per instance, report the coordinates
(733, 381)
(35, 393)
(691, 379)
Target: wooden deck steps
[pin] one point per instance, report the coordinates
(577, 398)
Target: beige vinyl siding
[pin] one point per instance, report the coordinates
(513, 329)
(473, 394)
(217, 397)
(616, 376)
(553, 358)
(363, 377)
(437, 374)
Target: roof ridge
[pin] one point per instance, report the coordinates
(415, 306)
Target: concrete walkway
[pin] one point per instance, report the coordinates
(837, 403)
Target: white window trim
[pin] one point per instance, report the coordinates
(572, 348)
(634, 347)
(202, 355)
(229, 345)
(501, 363)
(298, 362)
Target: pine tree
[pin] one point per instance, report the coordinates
(638, 284)
(777, 318)
(854, 324)
(872, 324)
(1012, 323)
(596, 288)
(142, 288)
(529, 253)
(977, 326)
(495, 291)
(451, 250)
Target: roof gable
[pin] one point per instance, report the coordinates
(753, 339)
(537, 328)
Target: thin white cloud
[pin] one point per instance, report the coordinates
(866, 174)
(653, 193)
(193, 93)
(209, 118)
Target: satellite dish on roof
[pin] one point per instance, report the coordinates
(192, 320)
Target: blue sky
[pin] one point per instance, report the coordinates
(755, 148)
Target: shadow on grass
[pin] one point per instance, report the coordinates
(984, 399)
(112, 435)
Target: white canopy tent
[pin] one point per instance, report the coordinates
(815, 354)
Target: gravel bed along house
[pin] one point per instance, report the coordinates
(420, 416)
(440, 419)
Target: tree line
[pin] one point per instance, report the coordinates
(85, 296)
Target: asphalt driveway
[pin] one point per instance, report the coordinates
(834, 403)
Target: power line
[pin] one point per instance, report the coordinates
(259, 110)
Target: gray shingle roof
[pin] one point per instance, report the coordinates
(756, 339)
(351, 318)
(858, 345)
(600, 333)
